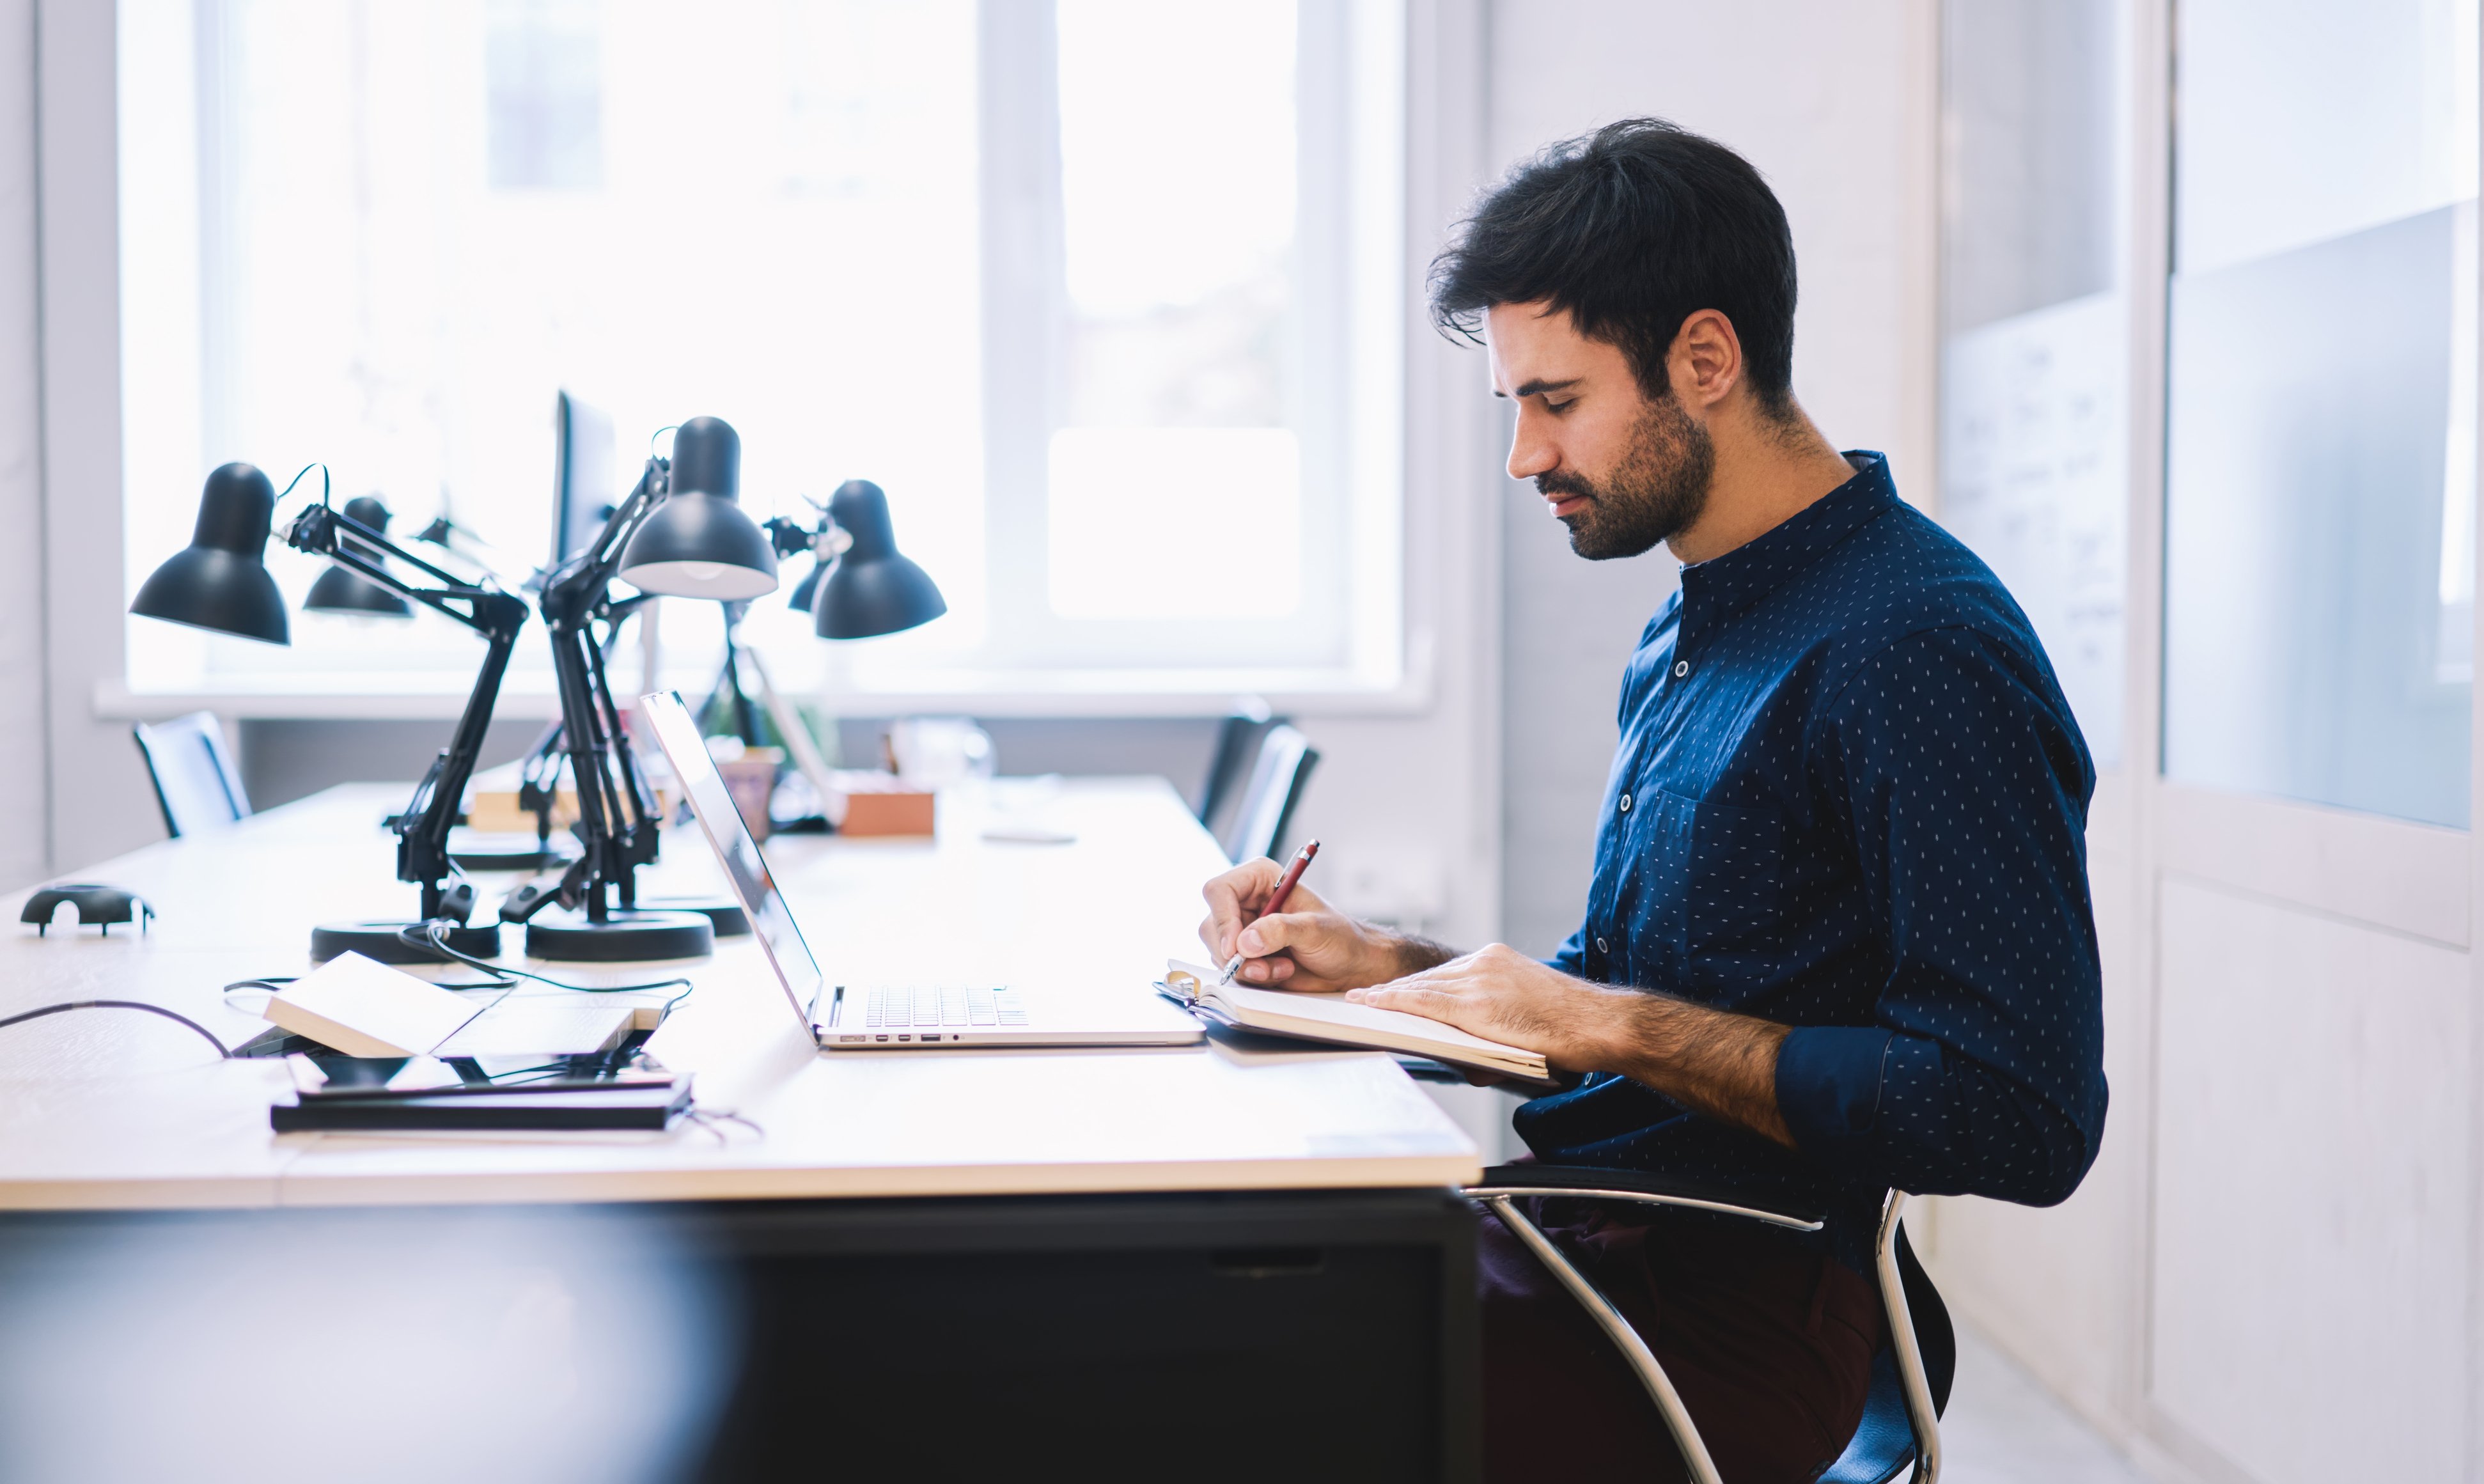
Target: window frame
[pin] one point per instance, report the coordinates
(1387, 669)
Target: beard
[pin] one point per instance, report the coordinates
(1653, 494)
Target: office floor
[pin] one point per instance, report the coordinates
(2004, 1428)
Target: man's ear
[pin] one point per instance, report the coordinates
(1706, 362)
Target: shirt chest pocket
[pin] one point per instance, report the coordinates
(1719, 898)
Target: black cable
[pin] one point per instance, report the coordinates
(434, 937)
(712, 1123)
(152, 1009)
(270, 983)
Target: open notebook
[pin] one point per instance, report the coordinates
(1338, 1020)
(365, 1008)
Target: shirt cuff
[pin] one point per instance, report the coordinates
(1828, 1087)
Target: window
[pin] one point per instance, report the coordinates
(2035, 461)
(2320, 460)
(1107, 295)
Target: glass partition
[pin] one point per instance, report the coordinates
(2320, 471)
(2034, 468)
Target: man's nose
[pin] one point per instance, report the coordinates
(1531, 454)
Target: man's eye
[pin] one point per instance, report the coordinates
(1550, 405)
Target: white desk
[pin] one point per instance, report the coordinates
(102, 1109)
(1108, 1233)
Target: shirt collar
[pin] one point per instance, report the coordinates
(1715, 590)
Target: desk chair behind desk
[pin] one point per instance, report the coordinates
(196, 785)
(1911, 1376)
(1280, 771)
(1237, 747)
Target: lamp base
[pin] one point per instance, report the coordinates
(379, 940)
(723, 914)
(625, 936)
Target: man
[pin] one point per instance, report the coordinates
(1839, 937)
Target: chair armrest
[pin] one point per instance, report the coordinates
(1594, 1184)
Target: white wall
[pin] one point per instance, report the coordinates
(101, 802)
(24, 818)
(1831, 101)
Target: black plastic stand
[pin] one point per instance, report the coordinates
(380, 940)
(621, 936)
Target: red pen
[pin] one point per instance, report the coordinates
(1276, 904)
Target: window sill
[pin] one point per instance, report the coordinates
(1085, 694)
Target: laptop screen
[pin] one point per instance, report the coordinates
(753, 887)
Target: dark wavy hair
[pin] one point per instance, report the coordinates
(1633, 230)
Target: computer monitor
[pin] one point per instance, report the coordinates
(583, 490)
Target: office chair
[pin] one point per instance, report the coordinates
(196, 783)
(1238, 746)
(1278, 775)
(1911, 1376)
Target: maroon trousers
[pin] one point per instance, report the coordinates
(1769, 1344)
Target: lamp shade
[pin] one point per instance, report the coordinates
(872, 590)
(699, 543)
(340, 591)
(220, 580)
(807, 590)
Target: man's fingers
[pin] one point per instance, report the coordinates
(1286, 929)
(1267, 971)
(1399, 994)
(1434, 1001)
(1232, 898)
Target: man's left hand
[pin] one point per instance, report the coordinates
(1712, 1061)
(1500, 994)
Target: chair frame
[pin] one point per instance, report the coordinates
(1502, 1188)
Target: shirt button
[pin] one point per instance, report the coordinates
(1624, 803)
(1600, 945)
(1680, 667)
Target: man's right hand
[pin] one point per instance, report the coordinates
(1309, 946)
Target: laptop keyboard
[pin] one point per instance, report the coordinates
(943, 1011)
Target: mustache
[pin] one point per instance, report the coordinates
(1558, 483)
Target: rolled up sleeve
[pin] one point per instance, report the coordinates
(1953, 770)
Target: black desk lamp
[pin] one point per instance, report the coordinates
(220, 583)
(339, 591)
(677, 533)
(860, 586)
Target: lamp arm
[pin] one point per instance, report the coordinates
(638, 835)
(322, 531)
(616, 814)
(585, 580)
(790, 539)
(423, 829)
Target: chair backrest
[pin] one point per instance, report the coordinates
(1885, 1444)
(1277, 775)
(196, 783)
(1237, 747)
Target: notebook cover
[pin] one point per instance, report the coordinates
(605, 1108)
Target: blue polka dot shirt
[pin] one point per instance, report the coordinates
(1851, 798)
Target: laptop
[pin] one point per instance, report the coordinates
(878, 1017)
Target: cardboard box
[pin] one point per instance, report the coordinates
(888, 814)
